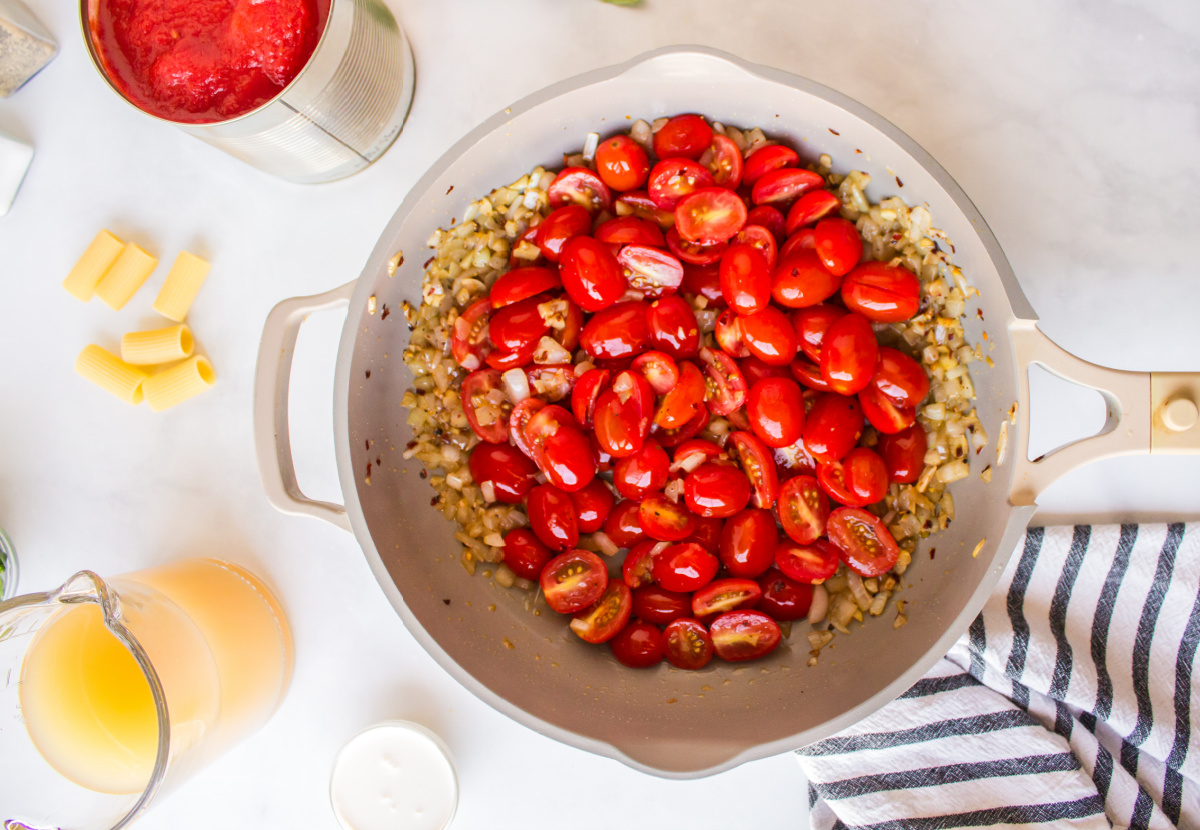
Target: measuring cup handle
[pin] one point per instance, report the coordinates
(272, 438)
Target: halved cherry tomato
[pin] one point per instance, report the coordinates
(811, 323)
(691, 454)
(775, 408)
(629, 230)
(624, 525)
(686, 136)
(673, 328)
(665, 520)
(808, 374)
(724, 161)
(765, 159)
(754, 370)
(688, 644)
(780, 187)
(726, 386)
(885, 414)
(622, 163)
(723, 595)
(560, 227)
(638, 203)
(503, 360)
(745, 278)
(579, 186)
(650, 270)
(604, 461)
(592, 505)
(803, 239)
(672, 179)
(758, 465)
(617, 426)
(883, 293)
(728, 334)
(634, 391)
(470, 343)
(744, 635)
(583, 397)
(707, 532)
(769, 218)
(676, 436)
(716, 490)
(684, 400)
(591, 274)
(521, 415)
(849, 353)
(655, 604)
(784, 598)
(794, 460)
(551, 383)
(863, 542)
(488, 420)
(525, 554)
(516, 326)
(760, 238)
(574, 580)
(684, 567)
(803, 509)
(832, 427)
(811, 207)
(832, 478)
(710, 216)
(703, 281)
(552, 517)
(506, 467)
(659, 370)
(567, 460)
(770, 336)
(748, 543)
(635, 570)
(694, 253)
(839, 244)
(639, 646)
(865, 475)
(607, 618)
(565, 313)
(801, 280)
(645, 472)
(617, 332)
(900, 377)
(523, 283)
(904, 454)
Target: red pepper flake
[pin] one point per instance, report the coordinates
(378, 462)
(434, 501)
(367, 443)
(898, 182)
(386, 312)
(368, 478)
(979, 313)
(448, 191)
(835, 132)
(932, 551)
(410, 445)
(427, 262)
(368, 374)
(445, 602)
(423, 473)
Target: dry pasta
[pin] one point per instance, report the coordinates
(184, 280)
(112, 374)
(148, 348)
(178, 383)
(98, 258)
(125, 276)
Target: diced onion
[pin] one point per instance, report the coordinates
(516, 385)
(605, 544)
(953, 471)
(858, 591)
(820, 605)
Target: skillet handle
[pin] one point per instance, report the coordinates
(272, 438)
(1147, 412)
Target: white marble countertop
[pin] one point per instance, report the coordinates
(1073, 128)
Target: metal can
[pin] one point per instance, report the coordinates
(339, 114)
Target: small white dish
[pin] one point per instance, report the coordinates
(15, 157)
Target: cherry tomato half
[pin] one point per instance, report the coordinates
(674, 437)
(880, 292)
(522, 414)
(744, 635)
(812, 563)
(565, 456)
(724, 160)
(684, 567)
(683, 402)
(617, 332)
(688, 644)
(590, 273)
(726, 386)
(811, 207)
(758, 465)
(694, 253)
(770, 336)
(832, 427)
(883, 413)
(765, 159)
(652, 271)
(624, 526)
(579, 186)
(784, 598)
(665, 520)
(639, 645)
(583, 397)
(574, 580)
(780, 187)
(769, 218)
(525, 554)
(607, 618)
(487, 418)
(710, 215)
(506, 467)
(672, 179)
(745, 278)
(552, 517)
(707, 532)
(761, 239)
(748, 543)
(592, 503)
(638, 203)
(673, 328)
(865, 476)
(635, 570)
(629, 230)
(470, 343)
(521, 284)
(560, 227)
(754, 370)
(803, 509)
(904, 454)
(716, 490)
(723, 595)
(685, 136)
(655, 604)
(838, 244)
(622, 163)
(659, 370)
(637, 476)
(863, 542)
(849, 354)
(775, 407)
(800, 279)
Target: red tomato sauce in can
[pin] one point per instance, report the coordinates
(200, 61)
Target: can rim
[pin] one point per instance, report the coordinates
(9, 570)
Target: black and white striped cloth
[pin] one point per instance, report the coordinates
(1069, 703)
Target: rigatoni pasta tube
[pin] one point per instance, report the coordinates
(149, 348)
(184, 280)
(112, 374)
(98, 258)
(178, 383)
(125, 276)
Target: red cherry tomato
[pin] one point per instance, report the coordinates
(748, 543)
(521, 284)
(726, 386)
(780, 187)
(769, 218)
(579, 186)
(849, 353)
(657, 605)
(811, 323)
(673, 328)
(688, 644)
(635, 570)
(691, 454)
(703, 281)
(832, 427)
(638, 203)
(517, 326)
(672, 179)
(509, 471)
(591, 274)
(754, 370)
(723, 595)
(574, 580)
(560, 227)
(770, 336)
(566, 458)
(794, 460)
(694, 253)
(622, 163)
(724, 160)
(552, 517)
(486, 418)
(904, 454)
(811, 207)
(683, 402)
(470, 343)
(758, 465)
(880, 292)
(617, 332)
(803, 509)
(745, 278)
(832, 478)
(728, 334)
(716, 490)
(710, 215)
(572, 320)
(629, 230)
(607, 618)
(686, 136)
(765, 159)
(529, 236)
(524, 553)
(521, 415)
(866, 476)
(885, 414)
(784, 598)
(684, 567)
(645, 472)
(744, 635)
(617, 426)
(659, 370)
(775, 408)
(900, 377)
(543, 423)
(592, 503)
(838, 244)
(801, 280)
(863, 542)
(676, 436)
(583, 397)
(624, 526)
(803, 239)
(761, 239)
(707, 532)
(503, 360)
(639, 646)
(664, 520)
(649, 270)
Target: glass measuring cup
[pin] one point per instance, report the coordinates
(116, 691)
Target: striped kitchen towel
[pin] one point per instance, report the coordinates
(1069, 702)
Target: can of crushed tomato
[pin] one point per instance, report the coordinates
(320, 112)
